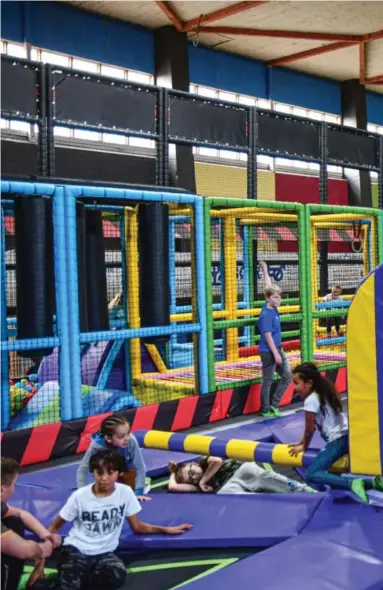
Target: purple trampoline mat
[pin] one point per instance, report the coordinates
(301, 562)
(218, 521)
(290, 430)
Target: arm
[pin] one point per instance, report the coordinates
(83, 468)
(273, 348)
(266, 276)
(304, 443)
(56, 525)
(143, 528)
(214, 464)
(15, 546)
(173, 486)
(32, 524)
(139, 465)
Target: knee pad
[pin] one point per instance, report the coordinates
(111, 577)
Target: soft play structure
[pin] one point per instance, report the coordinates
(186, 275)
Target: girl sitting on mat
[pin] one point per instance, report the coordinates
(323, 410)
(115, 435)
(213, 474)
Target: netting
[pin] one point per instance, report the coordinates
(343, 249)
(242, 238)
(28, 321)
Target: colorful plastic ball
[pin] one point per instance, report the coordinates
(28, 387)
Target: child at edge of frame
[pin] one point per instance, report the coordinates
(272, 355)
(87, 559)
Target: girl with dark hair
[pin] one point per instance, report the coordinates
(115, 435)
(323, 410)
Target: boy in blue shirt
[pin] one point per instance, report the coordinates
(270, 348)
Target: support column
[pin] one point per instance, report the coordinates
(171, 64)
(354, 114)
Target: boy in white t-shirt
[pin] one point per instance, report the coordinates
(98, 512)
(335, 295)
(323, 411)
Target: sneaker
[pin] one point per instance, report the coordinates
(268, 414)
(276, 411)
(377, 483)
(358, 487)
(148, 485)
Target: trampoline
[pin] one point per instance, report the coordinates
(293, 531)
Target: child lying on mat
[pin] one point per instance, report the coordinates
(97, 512)
(215, 475)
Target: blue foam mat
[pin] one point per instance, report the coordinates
(299, 563)
(261, 520)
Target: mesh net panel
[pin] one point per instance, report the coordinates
(343, 250)
(34, 396)
(247, 237)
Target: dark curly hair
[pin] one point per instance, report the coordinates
(322, 386)
(107, 459)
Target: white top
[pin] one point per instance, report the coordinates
(331, 425)
(330, 297)
(97, 522)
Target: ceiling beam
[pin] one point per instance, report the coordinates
(282, 34)
(362, 62)
(169, 11)
(374, 36)
(310, 53)
(375, 80)
(195, 23)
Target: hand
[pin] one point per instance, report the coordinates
(37, 574)
(278, 358)
(172, 466)
(54, 538)
(143, 498)
(263, 265)
(47, 548)
(178, 530)
(295, 449)
(205, 488)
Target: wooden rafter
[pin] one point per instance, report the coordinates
(171, 14)
(218, 14)
(362, 62)
(310, 53)
(282, 34)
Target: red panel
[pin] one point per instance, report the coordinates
(337, 192)
(185, 413)
(144, 417)
(341, 380)
(41, 443)
(221, 405)
(92, 425)
(253, 402)
(288, 395)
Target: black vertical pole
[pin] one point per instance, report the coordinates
(323, 199)
(42, 110)
(166, 123)
(252, 156)
(160, 162)
(49, 118)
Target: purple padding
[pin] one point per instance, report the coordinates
(261, 520)
(350, 524)
(256, 431)
(301, 562)
(65, 476)
(290, 430)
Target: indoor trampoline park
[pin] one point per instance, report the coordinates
(192, 295)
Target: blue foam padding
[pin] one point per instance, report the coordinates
(350, 524)
(260, 520)
(289, 429)
(299, 563)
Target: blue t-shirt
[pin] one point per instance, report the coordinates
(269, 322)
